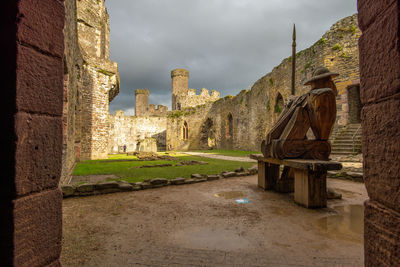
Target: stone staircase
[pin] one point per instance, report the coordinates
(343, 143)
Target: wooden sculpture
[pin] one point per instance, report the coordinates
(316, 109)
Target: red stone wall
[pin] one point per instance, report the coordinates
(380, 96)
(30, 202)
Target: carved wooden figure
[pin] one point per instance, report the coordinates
(316, 109)
(288, 140)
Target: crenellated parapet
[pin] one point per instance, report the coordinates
(193, 99)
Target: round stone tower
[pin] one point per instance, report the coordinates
(142, 102)
(180, 86)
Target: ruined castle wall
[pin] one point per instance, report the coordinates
(242, 121)
(100, 79)
(130, 130)
(192, 99)
(159, 110)
(72, 93)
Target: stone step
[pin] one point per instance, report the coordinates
(346, 144)
(343, 153)
(350, 149)
(345, 141)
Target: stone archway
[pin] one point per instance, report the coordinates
(185, 131)
(207, 134)
(33, 136)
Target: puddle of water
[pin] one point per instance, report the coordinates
(209, 238)
(347, 224)
(280, 211)
(230, 194)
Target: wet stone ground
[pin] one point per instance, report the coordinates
(204, 225)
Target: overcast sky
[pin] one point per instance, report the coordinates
(226, 45)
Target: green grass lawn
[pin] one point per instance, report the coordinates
(126, 169)
(232, 153)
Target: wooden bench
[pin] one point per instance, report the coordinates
(309, 178)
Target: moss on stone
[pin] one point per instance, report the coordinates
(345, 55)
(337, 47)
(278, 109)
(271, 81)
(322, 41)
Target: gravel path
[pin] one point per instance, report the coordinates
(203, 225)
(216, 156)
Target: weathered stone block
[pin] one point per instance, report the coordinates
(196, 175)
(370, 10)
(190, 181)
(381, 149)
(241, 169)
(212, 177)
(125, 187)
(36, 70)
(85, 188)
(381, 235)
(380, 63)
(102, 191)
(229, 174)
(41, 24)
(253, 170)
(67, 190)
(178, 181)
(38, 231)
(159, 181)
(38, 153)
(106, 185)
(145, 185)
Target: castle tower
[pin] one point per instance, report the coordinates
(180, 86)
(142, 102)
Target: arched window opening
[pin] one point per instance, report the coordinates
(185, 131)
(229, 128)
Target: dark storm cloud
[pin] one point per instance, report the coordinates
(226, 44)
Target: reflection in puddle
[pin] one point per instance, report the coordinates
(210, 238)
(347, 224)
(230, 194)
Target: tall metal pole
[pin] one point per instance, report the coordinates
(294, 60)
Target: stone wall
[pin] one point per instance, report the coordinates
(380, 96)
(242, 121)
(143, 108)
(183, 97)
(133, 131)
(91, 81)
(100, 79)
(32, 68)
(72, 97)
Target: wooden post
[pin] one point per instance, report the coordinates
(268, 173)
(286, 182)
(262, 174)
(310, 188)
